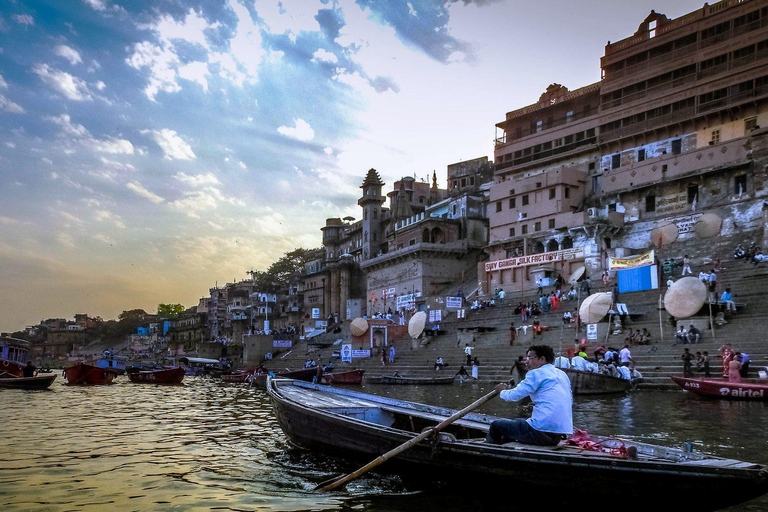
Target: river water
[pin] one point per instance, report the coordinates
(208, 445)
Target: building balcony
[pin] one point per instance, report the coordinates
(671, 167)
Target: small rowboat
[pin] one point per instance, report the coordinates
(237, 377)
(39, 382)
(166, 376)
(747, 389)
(304, 374)
(347, 423)
(348, 377)
(396, 379)
(590, 383)
(83, 374)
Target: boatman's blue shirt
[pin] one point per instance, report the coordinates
(550, 391)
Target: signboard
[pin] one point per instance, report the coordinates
(673, 203)
(685, 224)
(403, 301)
(361, 353)
(535, 259)
(282, 343)
(453, 302)
(591, 331)
(315, 312)
(640, 260)
(346, 353)
(435, 315)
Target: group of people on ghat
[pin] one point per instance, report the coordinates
(752, 254)
(735, 363)
(691, 335)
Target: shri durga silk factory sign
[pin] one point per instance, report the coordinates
(535, 259)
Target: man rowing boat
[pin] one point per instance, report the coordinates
(550, 392)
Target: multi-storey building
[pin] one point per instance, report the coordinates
(671, 131)
(681, 106)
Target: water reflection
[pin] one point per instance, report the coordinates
(210, 445)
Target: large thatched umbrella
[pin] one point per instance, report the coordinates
(595, 307)
(358, 326)
(685, 297)
(664, 234)
(708, 225)
(416, 324)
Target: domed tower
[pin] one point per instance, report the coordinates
(371, 203)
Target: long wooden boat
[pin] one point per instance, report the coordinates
(303, 374)
(14, 354)
(166, 376)
(38, 382)
(591, 383)
(747, 389)
(345, 377)
(236, 377)
(83, 374)
(347, 423)
(396, 379)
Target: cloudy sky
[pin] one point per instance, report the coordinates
(149, 149)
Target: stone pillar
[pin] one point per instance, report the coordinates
(343, 292)
(335, 303)
(326, 297)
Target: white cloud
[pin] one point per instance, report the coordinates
(195, 72)
(291, 16)
(3, 84)
(161, 63)
(11, 145)
(68, 53)
(139, 190)
(172, 145)
(301, 130)
(323, 55)
(108, 216)
(328, 151)
(198, 180)
(246, 45)
(82, 135)
(411, 10)
(101, 85)
(24, 19)
(96, 5)
(242, 165)
(9, 106)
(104, 238)
(65, 239)
(68, 85)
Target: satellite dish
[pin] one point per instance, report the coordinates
(595, 307)
(685, 297)
(416, 324)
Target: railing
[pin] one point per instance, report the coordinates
(546, 154)
(653, 90)
(557, 122)
(683, 51)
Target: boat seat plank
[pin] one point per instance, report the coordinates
(722, 463)
(324, 401)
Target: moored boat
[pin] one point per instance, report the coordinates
(345, 377)
(38, 382)
(303, 374)
(747, 389)
(591, 383)
(83, 374)
(161, 376)
(399, 379)
(352, 424)
(14, 354)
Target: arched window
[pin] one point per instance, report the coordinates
(425, 236)
(567, 243)
(538, 248)
(552, 246)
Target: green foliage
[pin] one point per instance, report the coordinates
(169, 310)
(292, 263)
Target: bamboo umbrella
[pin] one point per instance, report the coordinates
(358, 326)
(416, 324)
(685, 297)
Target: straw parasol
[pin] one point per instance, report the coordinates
(664, 234)
(577, 274)
(708, 225)
(358, 326)
(595, 307)
(416, 324)
(685, 297)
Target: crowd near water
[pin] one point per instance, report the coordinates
(208, 445)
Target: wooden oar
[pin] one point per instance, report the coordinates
(340, 481)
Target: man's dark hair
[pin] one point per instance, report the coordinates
(544, 351)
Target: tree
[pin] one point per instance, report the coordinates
(169, 310)
(290, 264)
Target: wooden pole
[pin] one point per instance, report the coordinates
(339, 482)
(661, 326)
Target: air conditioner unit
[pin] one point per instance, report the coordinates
(592, 212)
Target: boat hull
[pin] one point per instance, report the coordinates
(87, 375)
(590, 383)
(348, 377)
(391, 379)
(475, 463)
(167, 376)
(748, 389)
(39, 382)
